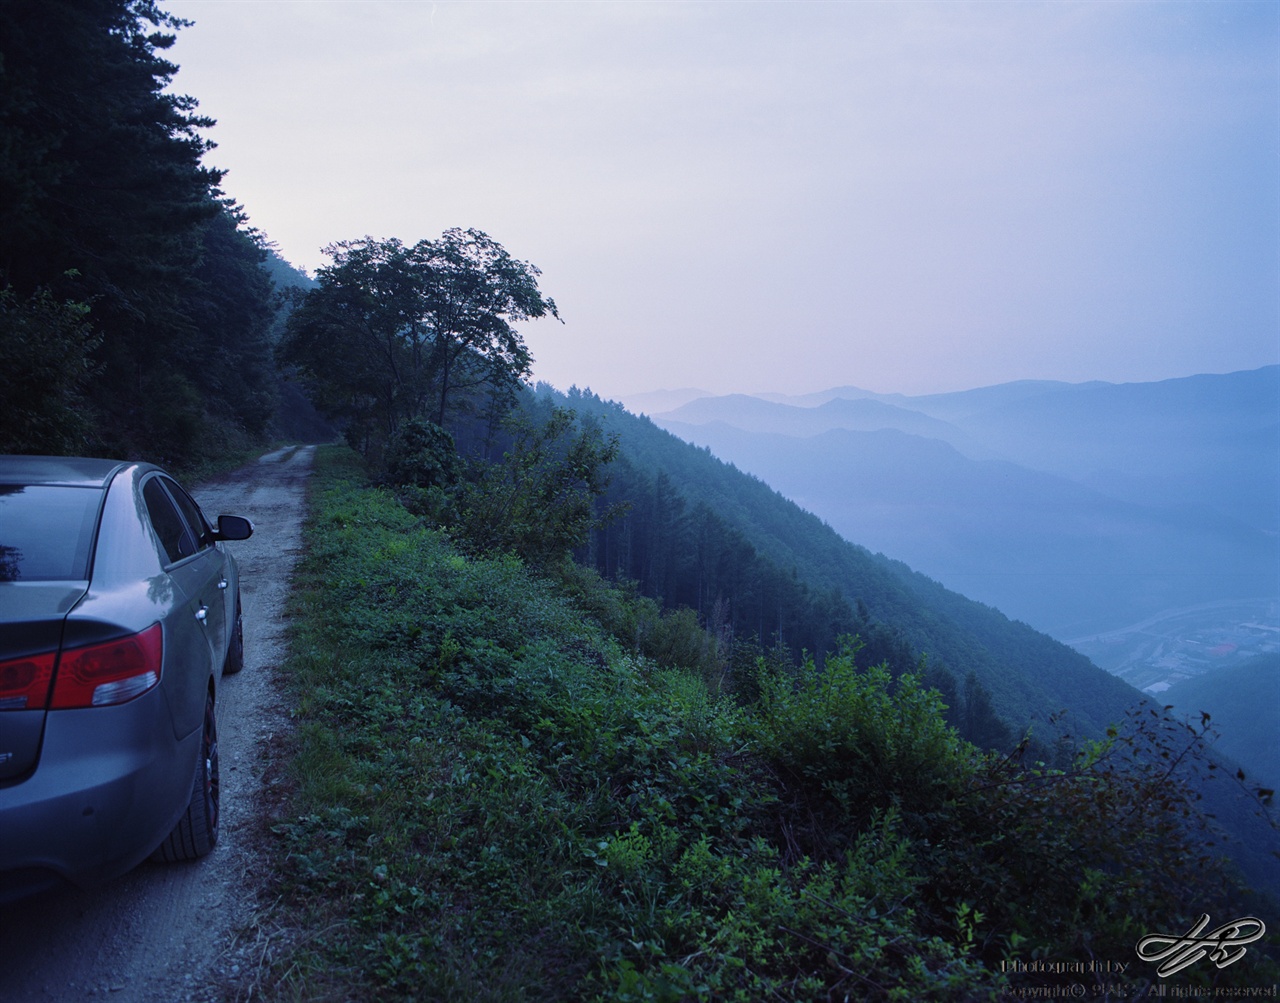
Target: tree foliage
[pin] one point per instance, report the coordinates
(395, 332)
(101, 167)
(47, 367)
(540, 501)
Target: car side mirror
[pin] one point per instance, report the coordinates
(233, 527)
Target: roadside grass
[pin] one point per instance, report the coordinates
(498, 797)
(497, 800)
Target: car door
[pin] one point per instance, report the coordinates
(196, 640)
(220, 598)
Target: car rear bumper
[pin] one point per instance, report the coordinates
(110, 785)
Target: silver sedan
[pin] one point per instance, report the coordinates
(119, 615)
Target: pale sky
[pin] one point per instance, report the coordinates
(747, 197)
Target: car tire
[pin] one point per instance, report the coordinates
(197, 831)
(235, 653)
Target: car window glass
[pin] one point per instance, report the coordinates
(46, 532)
(195, 518)
(175, 536)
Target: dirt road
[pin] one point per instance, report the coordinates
(175, 933)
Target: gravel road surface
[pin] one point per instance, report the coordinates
(188, 933)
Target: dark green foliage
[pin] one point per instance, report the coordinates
(422, 464)
(978, 719)
(47, 366)
(358, 344)
(101, 168)
(854, 742)
(105, 201)
(231, 309)
(689, 555)
(296, 416)
(422, 455)
(539, 502)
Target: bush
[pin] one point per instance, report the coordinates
(851, 742)
(423, 455)
(539, 502)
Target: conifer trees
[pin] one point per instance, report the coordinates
(108, 211)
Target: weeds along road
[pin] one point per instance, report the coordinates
(186, 933)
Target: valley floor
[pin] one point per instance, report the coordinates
(1183, 643)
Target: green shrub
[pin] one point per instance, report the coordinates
(539, 502)
(422, 454)
(851, 742)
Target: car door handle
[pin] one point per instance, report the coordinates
(202, 614)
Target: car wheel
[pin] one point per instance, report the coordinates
(197, 830)
(235, 654)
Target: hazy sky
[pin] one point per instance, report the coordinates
(902, 196)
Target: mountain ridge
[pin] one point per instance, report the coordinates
(1203, 444)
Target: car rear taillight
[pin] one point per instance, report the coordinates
(24, 682)
(110, 673)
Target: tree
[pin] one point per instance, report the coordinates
(100, 168)
(392, 332)
(980, 723)
(232, 306)
(475, 290)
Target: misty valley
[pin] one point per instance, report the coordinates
(1137, 523)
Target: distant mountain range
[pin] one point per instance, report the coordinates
(1073, 507)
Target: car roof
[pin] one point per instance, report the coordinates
(77, 471)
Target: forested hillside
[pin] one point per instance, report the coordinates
(761, 572)
(700, 531)
(1233, 696)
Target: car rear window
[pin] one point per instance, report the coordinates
(46, 532)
